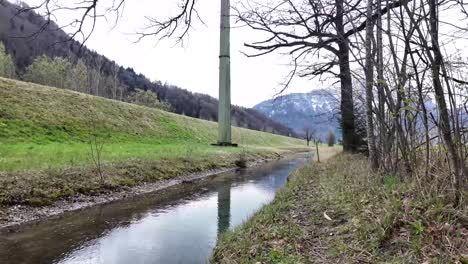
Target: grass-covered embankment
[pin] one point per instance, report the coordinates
(339, 212)
(45, 151)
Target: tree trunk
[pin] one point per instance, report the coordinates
(401, 80)
(369, 89)
(347, 104)
(385, 140)
(317, 149)
(424, 115)
(444, 119)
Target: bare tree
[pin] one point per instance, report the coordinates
(434, 58)
(369, 69)
(309, 134)
(96, 142)
(305, 29)
(115, 80)
(89, 12)
(95, 76)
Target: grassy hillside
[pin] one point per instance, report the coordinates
(42, 127)
(47, 131)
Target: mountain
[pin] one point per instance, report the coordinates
(26, 35)
(318, 110)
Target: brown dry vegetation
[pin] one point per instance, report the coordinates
(372, 219)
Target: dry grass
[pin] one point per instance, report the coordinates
(339, 212)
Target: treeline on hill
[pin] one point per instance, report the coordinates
(42, 53)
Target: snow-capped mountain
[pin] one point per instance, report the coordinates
(318, 109)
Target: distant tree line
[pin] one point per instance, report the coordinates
(42, 53)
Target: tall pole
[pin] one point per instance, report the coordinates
(224, 108)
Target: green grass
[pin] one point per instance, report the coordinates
(43, 127)
(30, 156)
(45, 152)
(374, 219)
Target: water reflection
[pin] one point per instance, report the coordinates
(177, 225)
(224, 207)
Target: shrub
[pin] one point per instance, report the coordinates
(149, 99)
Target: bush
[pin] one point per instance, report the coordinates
(149, 99)
(52, 72)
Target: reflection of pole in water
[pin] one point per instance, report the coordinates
(224, 207)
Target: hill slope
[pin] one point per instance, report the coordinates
(317, 109)
(40, 116)
(16, 30)
(47, 131)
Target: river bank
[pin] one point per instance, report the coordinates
(340, 212)
(178, 224)
(13, 216)
(60, 147)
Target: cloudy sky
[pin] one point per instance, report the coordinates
(193, 66)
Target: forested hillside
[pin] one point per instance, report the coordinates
(27, 36)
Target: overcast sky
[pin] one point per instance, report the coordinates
(195, 65)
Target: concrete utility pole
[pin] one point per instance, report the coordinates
(224, 109)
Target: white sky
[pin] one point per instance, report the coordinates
(195, 65)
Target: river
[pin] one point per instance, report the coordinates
(177, 225)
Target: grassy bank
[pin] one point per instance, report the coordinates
(339, 212)
(45, 150)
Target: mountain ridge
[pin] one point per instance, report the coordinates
(317, 110)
